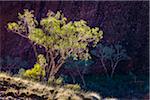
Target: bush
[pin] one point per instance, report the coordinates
(59, 81)
(73, 86)
(21, 72)
(53, 81)
(36, 73)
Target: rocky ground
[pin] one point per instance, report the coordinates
(14, 88)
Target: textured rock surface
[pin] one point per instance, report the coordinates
(16, 88)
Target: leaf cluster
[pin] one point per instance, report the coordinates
(55, 81)
(36, 73)
(55, 32)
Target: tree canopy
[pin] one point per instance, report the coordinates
(60, 38)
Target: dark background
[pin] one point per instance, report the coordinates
(120, 21)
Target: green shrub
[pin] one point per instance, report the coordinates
(50, 81)
(21, 72)
(53, 81)
(59, 81)
(73, 86)
(36, 73)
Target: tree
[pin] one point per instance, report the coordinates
(60, 38)
(112, 54)
(81, 66)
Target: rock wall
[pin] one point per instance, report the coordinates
(120, 21)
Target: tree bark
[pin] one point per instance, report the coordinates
(105, 69)
(50, 63)
(82, 78)
(73, 79)
(114, 67)
(57, 67)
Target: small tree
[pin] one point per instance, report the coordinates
(110, 53)
(59, 37)
(81, 66)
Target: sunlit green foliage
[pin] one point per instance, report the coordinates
(36, 73)
(73, 86)
(21, 72)
(55, 81)
(42, 60)
(59, 37)
(59, 81)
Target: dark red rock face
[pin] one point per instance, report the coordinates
(120, 21)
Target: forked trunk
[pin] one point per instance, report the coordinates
(113, 69)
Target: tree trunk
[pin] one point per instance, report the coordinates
(34, 49)
(53, 65)
(49, 71)
(73, 79)
(105, 69)
(113, 69)
(57, 67)
(82, 78)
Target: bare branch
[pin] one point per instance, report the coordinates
(24, 36)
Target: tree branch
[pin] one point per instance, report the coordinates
(114, 67)
(34, 49)
(24, 36)
(58, 67)
(105, 69)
